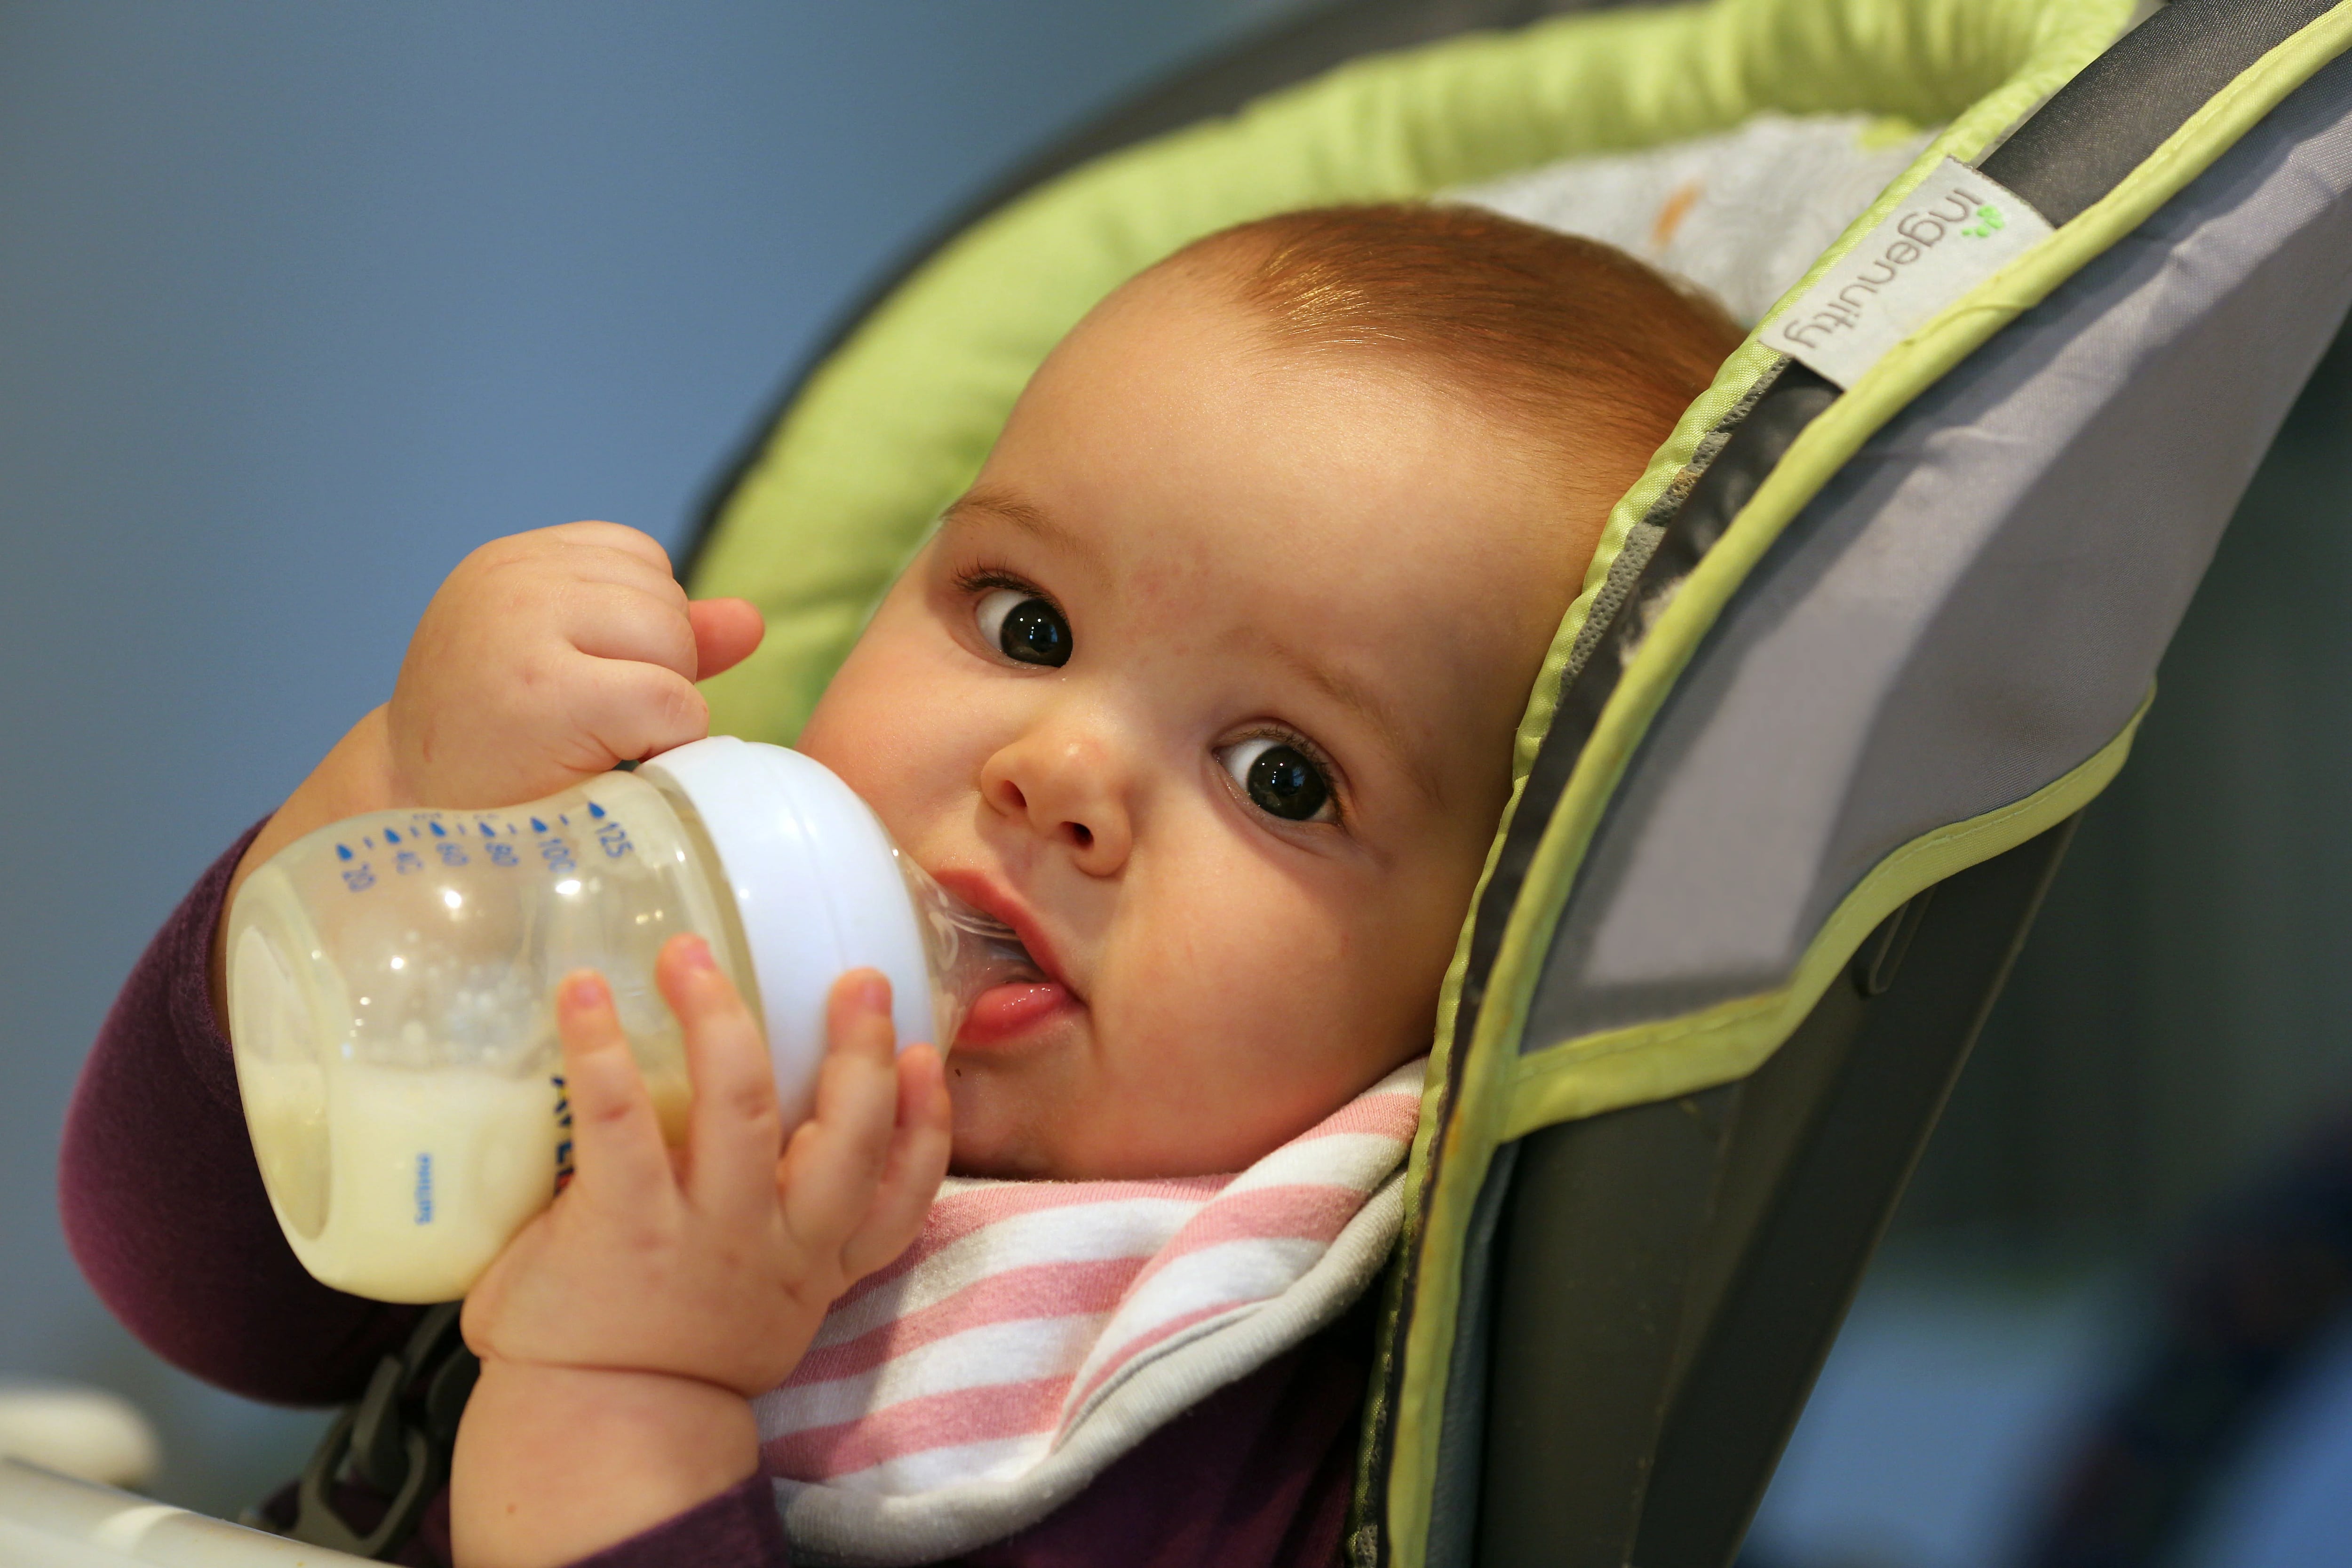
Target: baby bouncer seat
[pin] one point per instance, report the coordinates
(1854, 651)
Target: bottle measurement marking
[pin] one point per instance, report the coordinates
(558, 852)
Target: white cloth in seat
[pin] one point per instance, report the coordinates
(1741, 215)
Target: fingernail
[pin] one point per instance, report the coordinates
(694, 953)
(874, 993)
(584, 991)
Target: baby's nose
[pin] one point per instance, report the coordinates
(1069, 789)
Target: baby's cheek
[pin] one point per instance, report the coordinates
(1260, 955)
(1353, 994)
(1277, 1003)
(890, 726)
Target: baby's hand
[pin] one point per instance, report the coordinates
(623, 1330)
(547, 657)
(715, 1261)
(544, 659)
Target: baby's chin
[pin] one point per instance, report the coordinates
(1015, 1149)
(1033, 1160)
(991, 1139)
(1043, 1113)
(1009, 1128)
(1007, 1135)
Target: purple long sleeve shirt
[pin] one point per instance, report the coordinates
(164, 1210)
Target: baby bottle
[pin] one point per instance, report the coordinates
(391, 982)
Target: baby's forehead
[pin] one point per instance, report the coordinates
(1427, 625)
(1368, 567)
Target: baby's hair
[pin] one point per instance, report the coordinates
(1572, 342)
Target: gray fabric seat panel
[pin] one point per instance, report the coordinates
(1976, 603)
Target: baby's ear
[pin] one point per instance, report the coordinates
(725, 633)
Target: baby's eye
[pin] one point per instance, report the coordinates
(1280, 780)
(1023, 627)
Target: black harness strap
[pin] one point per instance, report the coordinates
(394, 1443)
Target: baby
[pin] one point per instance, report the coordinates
(1207, 686)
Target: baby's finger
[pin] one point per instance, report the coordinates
(726, 631)
(834, 1161)
(616, 1139)
(734, 1127)
(633, 621)
(918, 1162)
(617, 536)
(639, 710)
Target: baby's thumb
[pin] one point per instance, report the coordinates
(725, 633)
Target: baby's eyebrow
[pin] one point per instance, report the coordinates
(1368, 704)
(1006, 507)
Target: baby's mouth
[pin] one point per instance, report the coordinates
(1005, 940)
(1003, 1015)
(1007, 983)
(1000, 956)
(1009, 993)
(1018, 993)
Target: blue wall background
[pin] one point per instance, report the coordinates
(301, 300)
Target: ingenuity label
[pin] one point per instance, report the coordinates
(1953, 231)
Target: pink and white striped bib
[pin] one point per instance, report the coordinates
(1038, 1330)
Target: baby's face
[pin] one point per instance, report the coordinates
(1207, 687)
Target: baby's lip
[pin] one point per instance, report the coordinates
(992, 897)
